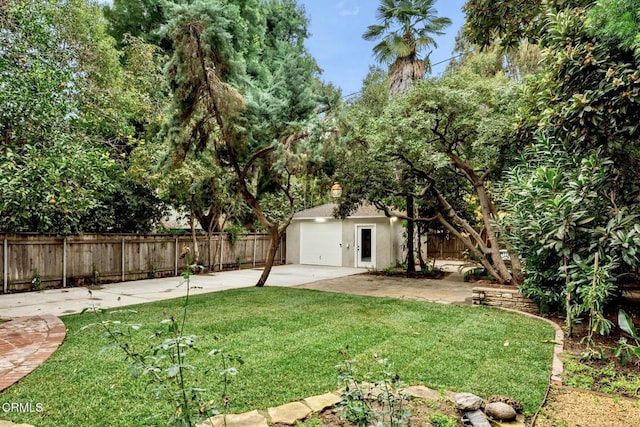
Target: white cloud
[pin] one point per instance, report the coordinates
(347, 10)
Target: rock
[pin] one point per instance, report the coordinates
(468, 402)
(248, 419)
(509, 401)
(518, 422)
(318, 403)
(422, 392)
(475, 419)
(289, 413)
(500, 411)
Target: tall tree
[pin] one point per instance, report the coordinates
(405, 30)
(450, 137)
(243, 85)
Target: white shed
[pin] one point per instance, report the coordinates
(365, 239)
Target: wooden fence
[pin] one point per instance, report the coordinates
(444, 246)
(35, 261)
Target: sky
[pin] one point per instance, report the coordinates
(336, 42)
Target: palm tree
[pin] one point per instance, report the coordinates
(406, 28)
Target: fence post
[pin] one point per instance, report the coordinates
(255, 244)
(426, 247)
(64, 262)
(122, 260)
(176, 258)
(5, 287)
(211, 260)
(221, 248)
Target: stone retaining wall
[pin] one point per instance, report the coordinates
(503, 297)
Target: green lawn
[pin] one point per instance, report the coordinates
(289, 339)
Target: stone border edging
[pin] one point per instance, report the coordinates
(288, 413)
(507, 297)
(293, 412)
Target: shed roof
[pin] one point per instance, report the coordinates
(326, 211)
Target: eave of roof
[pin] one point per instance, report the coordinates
(326, 211)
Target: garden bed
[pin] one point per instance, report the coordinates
(402, 272)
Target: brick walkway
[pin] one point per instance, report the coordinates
(25, 343)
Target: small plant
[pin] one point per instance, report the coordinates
(389, 271)
(374, 271)
(380, 403)
(310, 422)
(153, 272)
(36, 282)
(477, 273)
(165, 363)
(441, 420)
(627, 351)
(234, 232)
(95, 276)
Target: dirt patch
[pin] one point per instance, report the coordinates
(569, 407)
(395, 272)
(597, 392)
(422, 412)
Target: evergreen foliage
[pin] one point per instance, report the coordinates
(244, 86)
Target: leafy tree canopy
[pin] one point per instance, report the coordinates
(510, 21)
(442, 141)
(574, 198)
(63, 109)
(617, 22)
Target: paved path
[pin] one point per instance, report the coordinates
(73, 300)
(25, 343)
(452, 289)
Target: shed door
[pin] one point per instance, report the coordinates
(320, 243)
(365, 246)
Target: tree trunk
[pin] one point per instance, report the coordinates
(568, 297)
(488, 215)
(516, 268)
(494, 246)
(274, 235)
(423, 264)
(411, 261)
(477, 253)
(194, 240)
(210, 220)
(404, 71)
